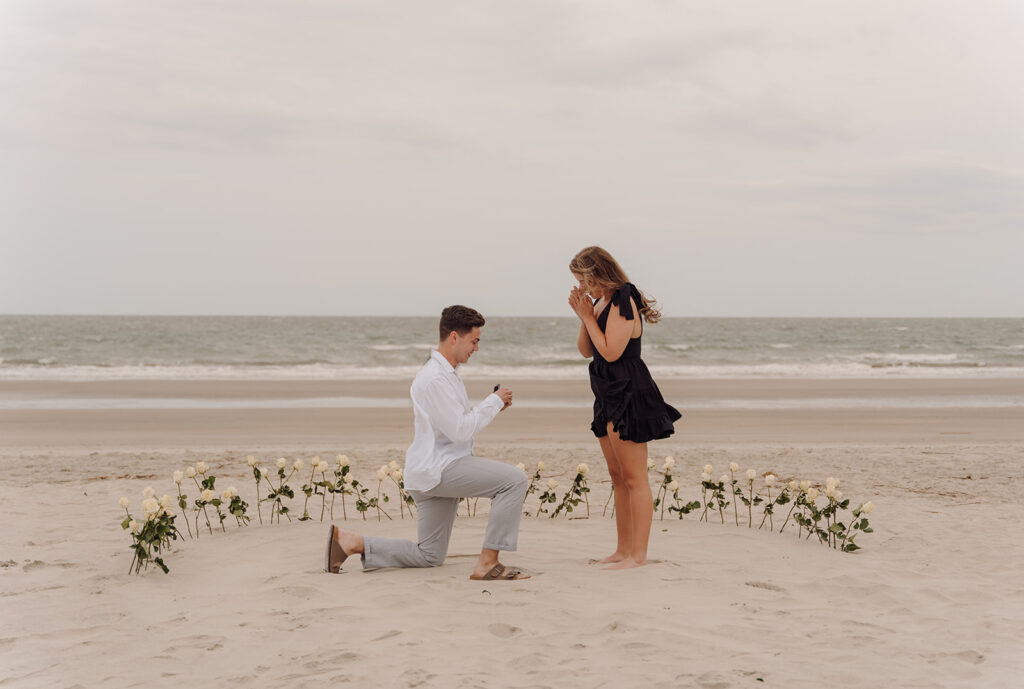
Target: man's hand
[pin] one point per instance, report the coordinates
(506, 396)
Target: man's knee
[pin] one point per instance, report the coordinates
(434, 557)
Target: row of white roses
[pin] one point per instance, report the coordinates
(812, 493)
(153, 507)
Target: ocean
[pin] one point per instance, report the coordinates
(354, 348)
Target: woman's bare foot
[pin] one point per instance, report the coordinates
(614, 557)
(628, 563)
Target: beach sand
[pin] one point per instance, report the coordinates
(934, 599)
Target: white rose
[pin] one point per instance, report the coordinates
(650, 463)
(281, 461)
(805, 485)
(207, 495)
(769, 480)
(724, 479)
(392, 465)
(867, 507)
(226, 495)
(315, 461)
(541, 466)
(250, 460)
(734, 467)
(397, 475)
(670, 461)
(298, 464)
(705, 476)
(178, 476)
(342, 461)
(150, 506)
(148, 492)
(521, 467)
(190, 472)
(166, 501)
(831, 482)
(674, 486)
(382, 473)
(123, 502)
(812, 494)
(751, 474)
(708, 468)
(792, 485)
(322, 467)
(582, 468)
(133, 526)
(837, 495)
(552, 484)
(202, 468)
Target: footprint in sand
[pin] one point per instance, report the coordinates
(387, 635)
(37, 564)
(713, 681)
(970, 656)
(503, 631)
(765, 585)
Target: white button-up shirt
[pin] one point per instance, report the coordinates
(445, 423)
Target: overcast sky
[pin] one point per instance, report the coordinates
(744, 158)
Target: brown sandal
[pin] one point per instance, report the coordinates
(500, 572)
(334, 554)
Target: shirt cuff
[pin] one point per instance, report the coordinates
(495, 400)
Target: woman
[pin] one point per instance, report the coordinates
(629, 410)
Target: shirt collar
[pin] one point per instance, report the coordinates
(439, 358)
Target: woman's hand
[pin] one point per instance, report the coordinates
(580, 304)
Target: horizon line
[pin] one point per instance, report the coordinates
(310, 315)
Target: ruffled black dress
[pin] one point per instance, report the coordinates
(624, 391)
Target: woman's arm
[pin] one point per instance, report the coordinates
(612, 342)
(583, 342)
(581, 304)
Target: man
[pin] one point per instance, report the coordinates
(440, 467)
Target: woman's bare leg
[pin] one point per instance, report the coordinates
(623, 531)
(632, 459)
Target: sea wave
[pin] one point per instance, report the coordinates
(401, 347)
(499, 373)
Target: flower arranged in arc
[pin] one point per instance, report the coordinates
(802, 493)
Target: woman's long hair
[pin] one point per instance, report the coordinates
(598, 268)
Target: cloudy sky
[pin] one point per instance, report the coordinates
(740, 158)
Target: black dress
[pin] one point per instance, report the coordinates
(624, 392)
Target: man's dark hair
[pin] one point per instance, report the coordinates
(460, 319)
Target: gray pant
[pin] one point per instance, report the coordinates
(466, 477)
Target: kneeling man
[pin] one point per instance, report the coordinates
(440, 467)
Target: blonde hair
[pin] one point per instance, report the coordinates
(598, 268)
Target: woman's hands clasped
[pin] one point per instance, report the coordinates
(580, 304)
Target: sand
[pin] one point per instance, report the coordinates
(934, 599)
